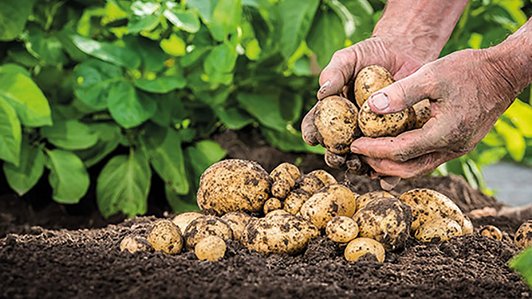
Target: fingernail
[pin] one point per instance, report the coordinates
(354, 149)
(380, 101)
(324, 87)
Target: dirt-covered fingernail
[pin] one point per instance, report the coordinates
(324, 87)
(380, 101)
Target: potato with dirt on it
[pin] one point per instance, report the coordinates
(211, 248)
(284, 178)
(335, 119)
(467, 227)
(491, 232)
(366, 198)
(324, 205)
(206, 226)
(386, 220)
(183, 220)
(385, 125)
(295, 201)
(233, 185)
(523, 235)
(422, 112)
(341, 229)
(438, 230)
(364, 249)
(370, 80)
(237, 221)
(165, 236)
(272, 204)
(306, 186)
(133, 244)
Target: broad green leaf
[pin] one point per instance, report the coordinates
(10, 133)
(107, 52)
(522, 263)
(14, 68)
(141, 23)
(151, 54)
(289, 141)
(70, 135)
(185, 20)
(520, 114)
(26, 97)
(93, 81)
(127, 107)
(491, 156)
(493, 139)
(296, 19)
(204, 8)
(123, 185)
(515, 142)
(203, 154)
(68, 176)
(13, 16)
(232, 118)
(161, 84)
(225, 18)
(326, 36)
(23, 177)
(46, 47)
(221, 59)
(170, 110)
(108, 140)
(265, 107)
(174, 45)
(178, 203)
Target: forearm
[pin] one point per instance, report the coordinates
(425, 25)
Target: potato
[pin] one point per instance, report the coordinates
(379, 125)
(210, 248)
(237, 221)
(422, 112)
(386, 220)
(438, 230)
(341, 229)
(183, 220)
(295, 201)
(272, 204)
(366, 198)
(206, 226)
(278, 232)
(133, 244)
(325, 177)
(335, 119)
(233, 185)
(492, 232)
(324, 205)
(523, 235)
(364, 248)
(369, 80)
(305, 187)
(165, 236)
(467, 227)
(427, 204)
(284, 178)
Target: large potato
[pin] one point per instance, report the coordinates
(438, 230)
(335, 119)
(165, 236)
(523, 235)
(284, 178)
(386, 220)
(341, 229)
(364, 248)
(233, 185)
(333, 200)
(206, 226)
(369, 80)
(183, 220)
(237, 221)
(379, 125)
(427, 204)
(366, 198)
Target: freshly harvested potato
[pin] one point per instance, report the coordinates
(335, 119)
(386, 220)
(233, 185)
(369, 80)
(467, 227)
(206, 226)
(366, 198)
(278, 232)
(284, 178)
(165, 236)
(364, 248)
(183, 220)
(492, 232)
(422, 112)
(237, 221)
(438, 230)
(305, 187)
(523, 235)
(133, 244)
(324, 205)
(210, 248)
(379, 125)
(325, 177)
(427, 204)
(272, 204)
(295, 201)
(341, 229)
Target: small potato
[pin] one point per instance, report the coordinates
(364, 248)
(369, 80)
(237, 221)
(305, 187)
(523, 235)
(211, 248)
(422, 112)
(492, 232)
(284, 178)
(324, 205)
(183, 220)
(133, 244)
(206, 226)
(277, 213)
(341, 229)
(272, 204)
(335, 119)
(165, 236)
(366, 198)
(325, 177)
(386, 220)
(295, 200)
(467, 227)
(380, 125)
(233, 185)
(438, 230)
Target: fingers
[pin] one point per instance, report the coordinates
(337, 73)
(412, 168)
(308, 129)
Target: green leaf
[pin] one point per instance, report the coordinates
(141, 23)
(151, 54)
(70, 135)
(491, 156)
(265, 107)
(162, 84)
(107, 52)
(520, 114)
(290, 141)
(23, 177)
(296, 19)
(178, 203)
(169, 110)
(14, 68)
(26, 98)
(93, 81)
(203, 154)
(515, 142)
(10, 133)
(127, 107)
(522, 263)
(68, 176)
(221, 59)
(232, 118)
(174, 45)
(326, 36)
(225, 18)
(185, 20)
(13, 16)
(108, 140)
(123, 185)
(204, 8)
(46, 47)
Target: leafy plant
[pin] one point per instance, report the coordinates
(522, 263)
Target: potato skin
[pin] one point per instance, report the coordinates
(284, 178)
(211, 248)
(165, 236)
(272, 204)
(233, 185)
(335, 119)
(422, 112)
(341, 229)
(133, 243)
(366, 198)
(364, 248)
(333, 200)
(237, 221)
(295, 201)
(380, 125)
(206, 226)
(305, 187)
(523, 235)
(369, 80)
(467, 227)
(438, 230)
(386, 220)
(183, 220)
(492, 232)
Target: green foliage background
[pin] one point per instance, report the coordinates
(141, 86)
